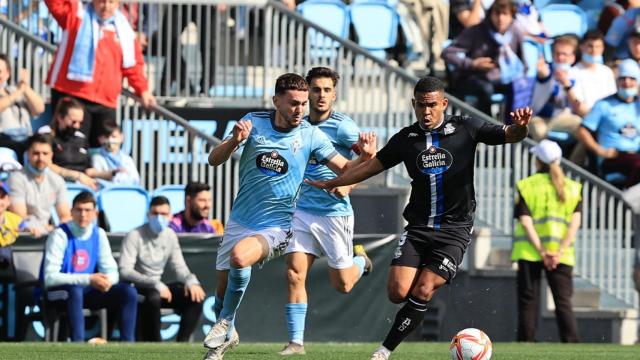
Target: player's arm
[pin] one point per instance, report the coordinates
(223, 151)
(517, 131)
(367, 144)
(354, 175)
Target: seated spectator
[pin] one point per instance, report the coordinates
(17, 105)
(487, 57)
(113, 163)
(554, 103)
(78, 259)
(615, 121)
(618, 34)
(35, 190)
(195, 216)
(634, 45)
(144, 253)
(9, 226)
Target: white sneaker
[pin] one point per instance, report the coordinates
(218, 353)
(292, 349)
(379, 355)
(217, 335)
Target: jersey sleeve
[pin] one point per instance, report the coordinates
(592, 120)
(484, 132)
(391, 154)
(322, 147)
(348, 134)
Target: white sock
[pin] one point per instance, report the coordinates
(299, 342)
(383, 350)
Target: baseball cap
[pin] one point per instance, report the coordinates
(629, 68)
(8, 161)
(547, 151)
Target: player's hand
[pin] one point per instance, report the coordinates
(241, 130)
(341, 191)
(367, 144)
(609, 153)
(318, 183)
(100, 282)
(195, 292)
(483, 63)
(165, 294)
(521, 116)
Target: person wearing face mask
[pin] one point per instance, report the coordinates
(554, 103)
(144, 253)
(35, 190)
(111, 162)
(195, 216)
(17, 105)
(78, 260)
(611, 129)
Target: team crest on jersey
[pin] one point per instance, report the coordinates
(80, 260)
(261, 139)
(296, 145)
(449, 129)
(272, 163)
(434, 160)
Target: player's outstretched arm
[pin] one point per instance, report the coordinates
(222, 152)
(518, 130)
(354, 175)
(368, 146)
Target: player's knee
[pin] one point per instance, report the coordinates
(397, 293)
(342, 286)
(237, 260)
(295, 277)
(424, 291)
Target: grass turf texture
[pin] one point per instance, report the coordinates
(315, 351)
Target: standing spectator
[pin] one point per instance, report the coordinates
(195, 216)
(98, 49)
(111, 161)
(615, 121)
(549, 214)
(554, 103)
(9, 226)
(17, 105)
(145, 252)
(35, 190)
(433, 19)
(487, 57)
(78, 260)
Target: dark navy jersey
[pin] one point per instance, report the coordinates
(440, 163)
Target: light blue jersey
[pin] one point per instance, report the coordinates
(343, 133)
(271, 171)
(616, 123)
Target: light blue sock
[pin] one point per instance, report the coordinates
(360, 262)
(217, 308)
(296, 314)
(236, 286)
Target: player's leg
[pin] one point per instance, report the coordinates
(336, 238)
(298, 264)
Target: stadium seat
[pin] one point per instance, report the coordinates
(175, 194)
(42, 119)
(531, 51)
(376, 23)
(560, 19)
(331, 15)
(74, 189)
(125, 207)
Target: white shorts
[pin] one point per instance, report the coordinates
(323, 235)
(277, 238)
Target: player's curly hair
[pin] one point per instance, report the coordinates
(323, 72)
(290, 81)
(428, 84)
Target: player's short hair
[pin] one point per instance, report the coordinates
(322, 72)
(84, 197)
(568, 39)
(159, 200)
(38, 139)
(592, 35)
(194, 188)
(290, 81)
(428, 84)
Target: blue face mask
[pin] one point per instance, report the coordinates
(563, 67)
(158, 223)
(625, 93)
(590, 59)
(34, 171)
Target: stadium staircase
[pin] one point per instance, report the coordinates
(262, 39)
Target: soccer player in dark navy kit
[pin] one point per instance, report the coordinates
(438, 152)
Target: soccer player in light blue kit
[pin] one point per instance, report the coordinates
(277, 147)
(323, 221)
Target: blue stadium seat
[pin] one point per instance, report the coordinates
(539, 4)
(593, 9)
(125, 207)
(42, 119)
(560, 19)
(531, 51)
(333, 16)
(175, 194)
(73, 189)
(376, 23)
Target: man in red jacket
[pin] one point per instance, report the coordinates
(97, 50)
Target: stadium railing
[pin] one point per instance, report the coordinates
(375, 94)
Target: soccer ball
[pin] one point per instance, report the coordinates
(470, 344)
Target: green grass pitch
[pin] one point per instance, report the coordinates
(315, 351)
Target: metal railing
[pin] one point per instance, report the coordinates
(275, 40)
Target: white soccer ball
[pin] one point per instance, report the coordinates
(471, 344)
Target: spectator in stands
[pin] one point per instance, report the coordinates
(35, 190)
(78, 260)
(433, 19)
(195, 216)
(554, 103)
(465, 14)
(634, 45)
(528, 20)
(549, 214)
(610, 11)
(17, 105)
(487, 57)
(145, 252)
(618, 34)
(111, 161)
(611, 129)
(100, 50)
(9, 226)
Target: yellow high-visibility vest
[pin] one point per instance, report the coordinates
(551, 217)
